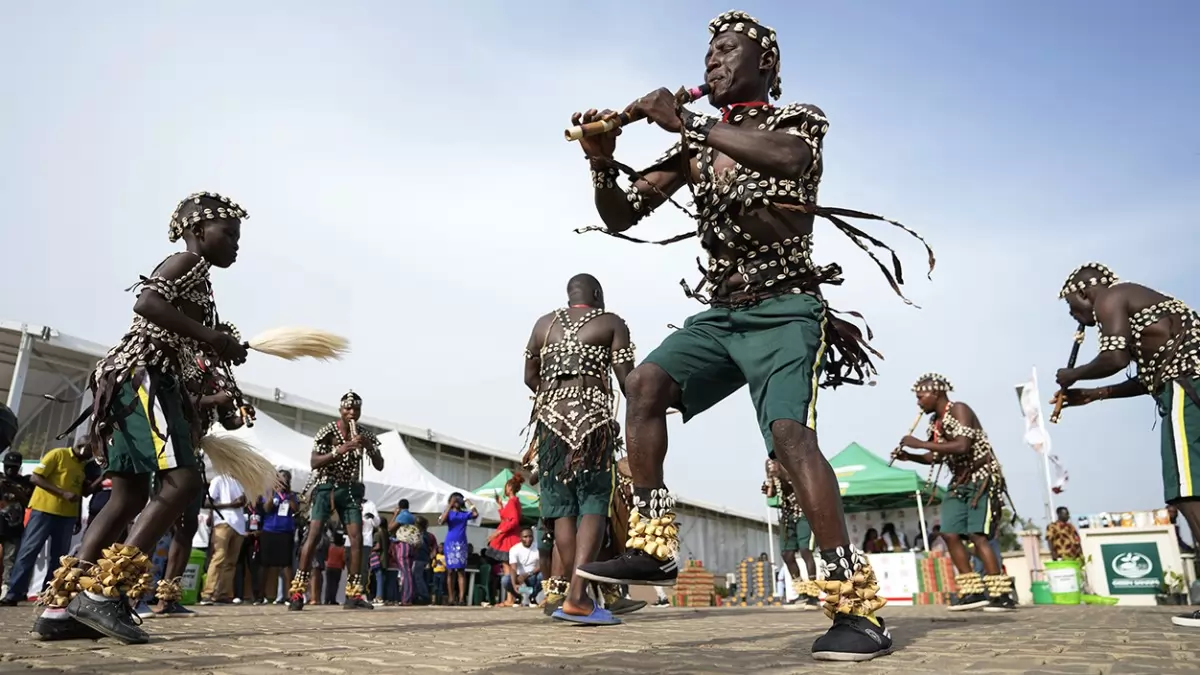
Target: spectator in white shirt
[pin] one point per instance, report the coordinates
(524, 559)
(370, 516)
(229, 528)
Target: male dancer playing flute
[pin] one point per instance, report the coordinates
(570, 355)
(795, 535)
(754, 172)
(975, 497)
(337, 475)
(143, 423)
(1161, 335)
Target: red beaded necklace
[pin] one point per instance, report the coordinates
(729, 109)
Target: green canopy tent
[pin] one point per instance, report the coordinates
(531, 508)
(867, 483)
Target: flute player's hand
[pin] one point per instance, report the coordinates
(660, 107)
(601, 146)
(1077, 397)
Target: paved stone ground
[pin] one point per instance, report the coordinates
(237, 640)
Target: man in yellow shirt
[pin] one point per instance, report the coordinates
(53, 515)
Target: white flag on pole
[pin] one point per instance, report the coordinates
(1031, 408)
(1036, 434)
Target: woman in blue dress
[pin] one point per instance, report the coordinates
(456, 516)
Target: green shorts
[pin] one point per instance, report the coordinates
(546, 541)
(1180, 442)
(587, 494)
(346, 500)
(795, 535)
(135, 447)
(776, 347)
(959, 517)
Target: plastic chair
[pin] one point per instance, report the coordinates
(482, 588)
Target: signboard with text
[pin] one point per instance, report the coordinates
(1132, 569)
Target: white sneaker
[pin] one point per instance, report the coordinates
(237, 601)
(1187, 620)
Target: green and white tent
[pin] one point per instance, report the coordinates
(530, 500)
(867, 483)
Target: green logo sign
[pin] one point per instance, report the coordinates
(1132, 569)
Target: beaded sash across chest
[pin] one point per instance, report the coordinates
(980, 463)
(1179, 356)
(721, 196)
(346, 469)
(142, 346)
(574, 411)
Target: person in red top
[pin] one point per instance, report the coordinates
(508, 534)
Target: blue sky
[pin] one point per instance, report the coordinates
(409, 186)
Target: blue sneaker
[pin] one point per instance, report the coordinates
(598, 617)
(143, 610)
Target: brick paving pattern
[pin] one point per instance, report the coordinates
(245, 640)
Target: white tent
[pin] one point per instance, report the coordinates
(425, 492)
(402, 477)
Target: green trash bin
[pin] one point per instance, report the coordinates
(193, 577)
(1041, 593)
(1064, 579)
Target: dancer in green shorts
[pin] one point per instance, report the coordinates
(753, 173)
(795, 535)
(572, 354)
(336, 485)
(143, 423)
(1161, 335)
(975, 497)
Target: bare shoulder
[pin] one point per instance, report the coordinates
(541, 326)
(177, 265)
(614, 319)
(963, 413)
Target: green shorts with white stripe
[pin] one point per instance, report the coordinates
(137, 448)
(1180, 441)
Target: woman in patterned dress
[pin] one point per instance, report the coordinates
(456, 516)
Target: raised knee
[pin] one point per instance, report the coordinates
(790, 435)
(649, 389)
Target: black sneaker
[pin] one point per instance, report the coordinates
(357, 603)
(1187, 620)
(1001, 603)
(8, 602)
(624, 606)
(853, 638)
(809, 603)
(633, 568)
(295, 603)
(661, 602)
(113, 618)
(65, 628)
(965, 602)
